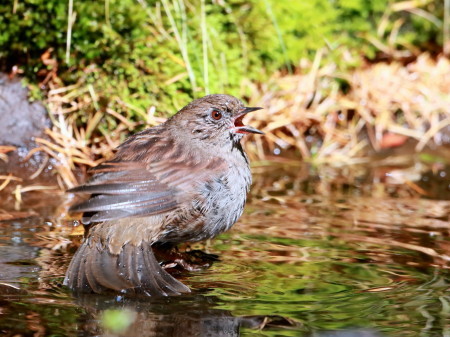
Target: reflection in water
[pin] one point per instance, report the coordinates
(339, 253)
(178, 316)
(348, 333)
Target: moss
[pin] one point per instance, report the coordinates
(164, 53)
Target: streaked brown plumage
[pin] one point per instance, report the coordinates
(185, 180)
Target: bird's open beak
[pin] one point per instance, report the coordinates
(239, 126)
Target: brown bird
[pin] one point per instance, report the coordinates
(185, 180)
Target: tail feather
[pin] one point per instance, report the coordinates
(149, 279)
(126, 264)
(78, 272)
(101, 266)
(161, 278)
(133, 270)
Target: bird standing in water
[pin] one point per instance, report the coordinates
(185, 180)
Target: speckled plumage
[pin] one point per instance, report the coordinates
(182, 181)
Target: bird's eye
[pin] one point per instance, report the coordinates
(216, 114)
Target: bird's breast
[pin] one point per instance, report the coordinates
(218, 204)
(225, 199)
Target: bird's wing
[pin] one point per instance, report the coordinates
(127, 189)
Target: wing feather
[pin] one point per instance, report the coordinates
(123, 188)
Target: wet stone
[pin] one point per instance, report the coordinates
(21, 120)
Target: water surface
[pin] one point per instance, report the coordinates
(361, 251)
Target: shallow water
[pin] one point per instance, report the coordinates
(351, 252)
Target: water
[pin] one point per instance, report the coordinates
(360, 251)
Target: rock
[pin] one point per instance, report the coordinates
(21, 121)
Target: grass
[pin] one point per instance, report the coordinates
(142, 60)
(307, 116)
(385, 104)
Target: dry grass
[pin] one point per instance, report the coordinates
(410, 101)
(307, 113)
(4, 149)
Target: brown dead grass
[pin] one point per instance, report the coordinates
(306, 113)
(410, 101)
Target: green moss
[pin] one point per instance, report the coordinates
(154, 54)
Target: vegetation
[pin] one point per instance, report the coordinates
(333, 250)
(106, 68)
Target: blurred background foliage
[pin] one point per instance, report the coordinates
(138, 53)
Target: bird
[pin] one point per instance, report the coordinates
(185, 180)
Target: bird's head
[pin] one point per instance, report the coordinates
(215, 119)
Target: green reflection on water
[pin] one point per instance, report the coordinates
(326, 292)
(295, 265)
